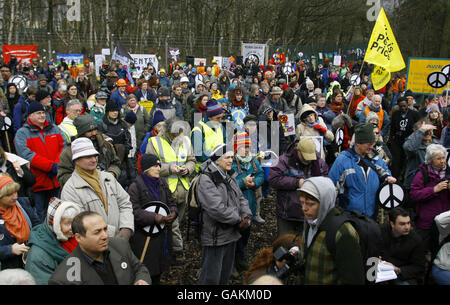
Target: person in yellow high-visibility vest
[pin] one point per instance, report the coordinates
(206, 136)
(73, 109)
(177, 158)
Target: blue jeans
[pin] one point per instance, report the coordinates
(41, 200)
(441, 276)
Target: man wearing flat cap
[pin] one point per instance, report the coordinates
(357, 176)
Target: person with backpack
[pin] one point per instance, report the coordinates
(225, 212)
(357, 176)
(317, 197)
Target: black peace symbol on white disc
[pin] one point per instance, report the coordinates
(20, 81)
(437, 79)
(446, 71)
(160, 208)
(339, 137)
(287, 69)
(390, 195)
(7, 123)
(355, 80)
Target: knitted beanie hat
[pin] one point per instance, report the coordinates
(130, 117)
(213, 108)
(35, 107)
(157, 117)
(149, 160)
(241, 139)
(364, 133)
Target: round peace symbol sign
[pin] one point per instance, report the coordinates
(390, 195)
(339, 137)
(446, 70)
(160, 208)
(287, 69)
(19, 80)
(6, 123)
(437, 79)
(355, 80)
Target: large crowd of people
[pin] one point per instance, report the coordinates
(87, 166)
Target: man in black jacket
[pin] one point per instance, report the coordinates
(98, 259)
(402, 126)
(403, 248)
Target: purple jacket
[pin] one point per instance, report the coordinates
(428, 203)
(284, 179)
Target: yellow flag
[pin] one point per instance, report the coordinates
(383, 49)
(380, 77)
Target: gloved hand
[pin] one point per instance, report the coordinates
(320, 128)
(54, 170)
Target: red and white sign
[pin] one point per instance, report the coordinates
(23, 53)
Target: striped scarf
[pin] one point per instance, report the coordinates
(15, 223)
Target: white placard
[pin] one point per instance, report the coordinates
(106, 52)
(218, 60)
(253, 51)
(98, 58)
(337, 60)
(142, 60)
(197, 61)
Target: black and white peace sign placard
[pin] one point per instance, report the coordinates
(437, 79)
(355, 80)
(446, 71)
(19, 80)
(390, 195)
(7, 123)
(287, 69)
(339, 137)
(160, 208)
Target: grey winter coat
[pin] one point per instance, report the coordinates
(223, 206)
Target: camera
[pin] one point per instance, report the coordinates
(293, 263)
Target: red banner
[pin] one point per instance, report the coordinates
(23, 53)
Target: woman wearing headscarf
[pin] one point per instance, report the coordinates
(16, 221)
(146, 188)
(51, 241)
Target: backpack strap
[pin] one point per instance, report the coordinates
(333, 226)
(425, 177)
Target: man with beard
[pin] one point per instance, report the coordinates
(402, 125)
(107, 158)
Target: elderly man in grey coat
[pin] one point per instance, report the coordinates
(225, 212)
(98, 191)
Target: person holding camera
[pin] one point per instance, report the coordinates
(276, 261)
(317, 198)
(225, 212)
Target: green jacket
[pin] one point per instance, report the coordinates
(321, 269)
(45, 253)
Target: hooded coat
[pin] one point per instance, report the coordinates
(307, 129)
(223, 206)
(321, 268)
(46, 252)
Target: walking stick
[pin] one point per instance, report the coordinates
(7, 141)
(145, 248)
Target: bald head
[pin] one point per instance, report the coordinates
(376, 100)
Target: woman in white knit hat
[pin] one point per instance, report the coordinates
(52, 240)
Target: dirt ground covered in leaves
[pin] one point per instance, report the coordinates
(261, 236)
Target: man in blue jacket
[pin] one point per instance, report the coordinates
(357, 176)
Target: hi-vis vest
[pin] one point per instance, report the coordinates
(380, 115)
(168, 156)
(212, 139)
(69, 130)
